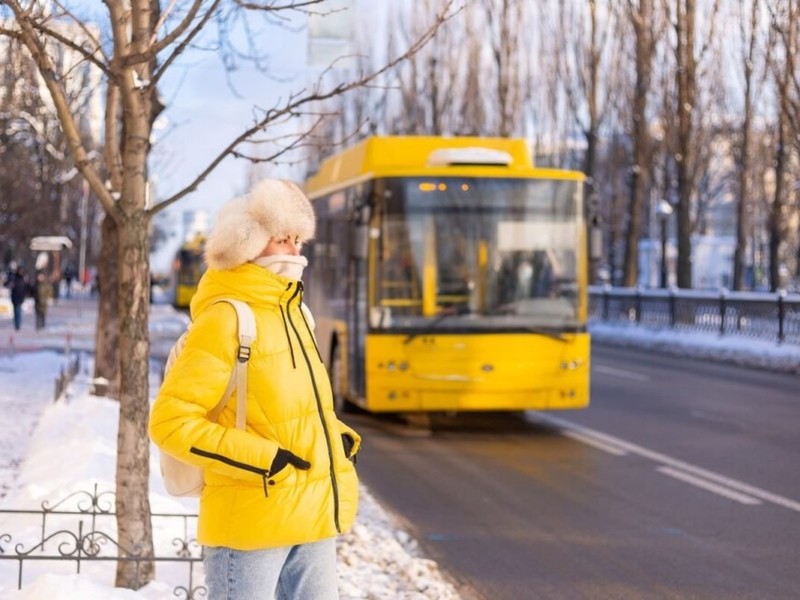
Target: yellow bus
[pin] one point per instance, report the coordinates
(449, 274)
(187, 268)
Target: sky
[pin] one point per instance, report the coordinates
(207, 107)
(377, 560)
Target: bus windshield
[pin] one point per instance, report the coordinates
(476, 253)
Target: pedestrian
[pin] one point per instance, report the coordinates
(69, 275)
(277, 494)
(18, 284)
(42, 293)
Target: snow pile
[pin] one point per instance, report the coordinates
(738, 350)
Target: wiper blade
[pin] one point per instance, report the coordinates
(443, 314)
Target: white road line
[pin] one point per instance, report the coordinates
(592, 442)
(707, 485)
(619, 373)
(663, 459)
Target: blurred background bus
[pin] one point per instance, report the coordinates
(449, 274)
(187, 268)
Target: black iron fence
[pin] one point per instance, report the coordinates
(67, 374)
(768, 316)
(80, 528)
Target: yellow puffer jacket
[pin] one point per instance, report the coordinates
(289, 406)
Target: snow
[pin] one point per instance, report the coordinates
(741, 350)
(49, 450)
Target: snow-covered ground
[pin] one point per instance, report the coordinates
(741, 350)
(49, 450)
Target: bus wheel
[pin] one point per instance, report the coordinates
(340, 404)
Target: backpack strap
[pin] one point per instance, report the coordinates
(247, 335)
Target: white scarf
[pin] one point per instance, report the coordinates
(287, 265)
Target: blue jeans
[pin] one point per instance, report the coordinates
(17, 316)
(303, 572)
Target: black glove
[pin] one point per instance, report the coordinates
(348, 442)
(283, 458)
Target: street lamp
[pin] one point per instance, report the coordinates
(663, 212)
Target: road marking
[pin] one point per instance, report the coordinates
(663, 459)
(619, 373)
(708, 486)
(593, 442)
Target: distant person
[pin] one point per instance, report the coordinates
(69, 276)
(20, 289)
(42, 293)
(278, 493)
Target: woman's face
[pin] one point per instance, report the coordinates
(287, 244)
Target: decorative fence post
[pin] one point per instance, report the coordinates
(672, 308)
(723, 309)
(637, 306)
(781, 314)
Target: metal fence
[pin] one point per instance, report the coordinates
(67, 374)
(768, 316)
(80, 528)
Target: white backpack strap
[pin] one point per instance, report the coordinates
(247, 335)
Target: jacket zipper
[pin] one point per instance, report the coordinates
(331, 470)
(285, 327)
(234, 463)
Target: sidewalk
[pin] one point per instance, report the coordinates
(71, 323)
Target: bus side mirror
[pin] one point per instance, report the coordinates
(360, 244)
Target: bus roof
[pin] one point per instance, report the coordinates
(387, 156)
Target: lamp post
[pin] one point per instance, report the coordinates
(663, 212)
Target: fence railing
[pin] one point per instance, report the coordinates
(67, 374)
(768, 316)
(85, 533)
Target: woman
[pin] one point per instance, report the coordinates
(277, 494)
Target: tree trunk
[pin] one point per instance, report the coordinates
(641, 159)
(742, 224)
(106, 355)
(133, 443)
(686, 85)
(776, 210)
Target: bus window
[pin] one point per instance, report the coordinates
(399, 286)
(500, 248)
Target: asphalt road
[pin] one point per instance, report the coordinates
(682, 480)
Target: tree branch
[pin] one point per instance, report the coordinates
(36, 48)
(184, 43)
(295, 102)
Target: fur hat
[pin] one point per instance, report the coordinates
(244, 226)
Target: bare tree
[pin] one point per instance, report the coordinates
(641, 16)
(751, 48)
(587, 74)
(689, 50)
(505, 19)
(784, 28)
(144, 42)
(470, 80)
(47, 199)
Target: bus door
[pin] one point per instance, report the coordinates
(356, 305)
